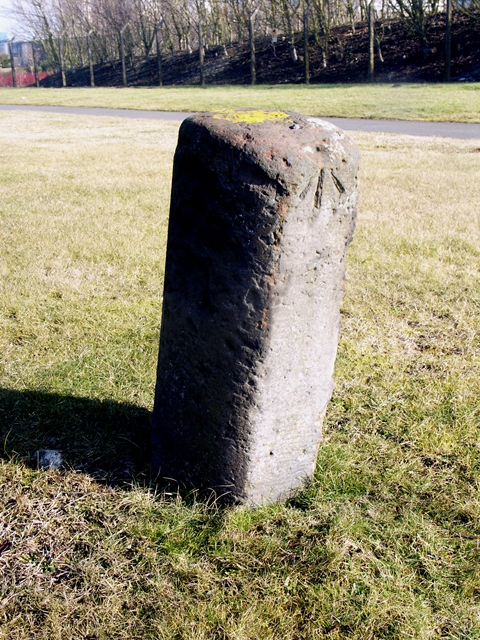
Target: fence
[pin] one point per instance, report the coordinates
(24, 78)
(30, 62)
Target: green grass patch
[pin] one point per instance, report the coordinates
(383, 543)
(427, 102)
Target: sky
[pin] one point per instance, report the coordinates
(6, 25)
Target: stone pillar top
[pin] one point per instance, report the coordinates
(288, 146)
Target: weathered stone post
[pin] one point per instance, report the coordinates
(263, 209)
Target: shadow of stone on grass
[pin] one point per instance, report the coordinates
(108, 440)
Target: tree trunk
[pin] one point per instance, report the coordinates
(35, 66)
(306, 59)
(293, 52)
(122, 56)
(379, 49)
(62, 62)
(90, 61)
(159, 56)
(291, 37)
(12, 62)
(251, 37)
(201, 54)
(371, 42)
(448, 40)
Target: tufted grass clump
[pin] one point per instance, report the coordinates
(383, 543)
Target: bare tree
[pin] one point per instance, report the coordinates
(322, 25)
(251, 11)
(289, 18)
(306, 57)
(79, 32)
(415, 13)
(38, 20)
(145, 17)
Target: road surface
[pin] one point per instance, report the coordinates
(461, 130)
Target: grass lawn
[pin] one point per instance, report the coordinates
(429, 102)
(384, 543)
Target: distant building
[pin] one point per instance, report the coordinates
(3, 42)
(22, 53)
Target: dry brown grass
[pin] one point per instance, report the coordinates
(72, 568)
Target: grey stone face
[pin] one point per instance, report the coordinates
(263, 209)
(49, 459)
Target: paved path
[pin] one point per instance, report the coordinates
(406, 127)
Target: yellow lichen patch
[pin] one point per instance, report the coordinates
(250, 116)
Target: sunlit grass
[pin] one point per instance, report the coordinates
(384, 543)
(429, 102)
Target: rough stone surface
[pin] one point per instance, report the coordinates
(49, 459)
(263, 208)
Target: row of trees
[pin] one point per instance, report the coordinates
(77, 32)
